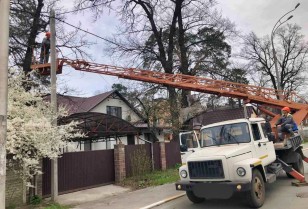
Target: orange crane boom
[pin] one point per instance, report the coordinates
(249, 93)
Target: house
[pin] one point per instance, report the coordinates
(107, 119)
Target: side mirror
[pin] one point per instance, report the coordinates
(183, 148)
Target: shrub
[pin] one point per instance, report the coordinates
(35, 200)
(140, 162)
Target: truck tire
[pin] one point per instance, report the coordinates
(256, 196)
(193, 198)
(298, 166)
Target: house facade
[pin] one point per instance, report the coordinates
(109, 105)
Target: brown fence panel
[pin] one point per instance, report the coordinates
(81, 170)
(46, 179)
(173, 154)
(129, 150)
(156, 151)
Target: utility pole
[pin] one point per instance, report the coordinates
(4, 56)
(53, 62)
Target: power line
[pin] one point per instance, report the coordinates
(72, 11)
(76, 10)
(78, 28)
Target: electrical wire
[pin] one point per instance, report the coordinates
(78, 28)
(76, 10)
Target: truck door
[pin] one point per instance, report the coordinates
(261, 145)
(189, 143)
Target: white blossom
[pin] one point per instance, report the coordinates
(30, 134)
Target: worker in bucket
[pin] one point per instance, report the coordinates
(44, 56)
(286, 122)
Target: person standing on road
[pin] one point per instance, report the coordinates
(44, 56)
(286, 122)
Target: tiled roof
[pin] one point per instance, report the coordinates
(80, 104)
(89, 103)
(85, 104)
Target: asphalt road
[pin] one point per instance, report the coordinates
(279, 194)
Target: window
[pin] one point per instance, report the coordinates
(130, 139)
(225, 134)
(256, 132)
(189, 140)
(267, 130)
(115, 111)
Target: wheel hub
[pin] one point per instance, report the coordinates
(258, 188)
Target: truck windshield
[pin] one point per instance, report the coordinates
(225, 134)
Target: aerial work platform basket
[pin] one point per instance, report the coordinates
(44, 69)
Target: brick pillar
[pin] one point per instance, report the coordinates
(119, 162)
(163, 155)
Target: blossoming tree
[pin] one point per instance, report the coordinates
(30, 134)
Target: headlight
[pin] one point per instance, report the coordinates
(183, 173)
(241, 171)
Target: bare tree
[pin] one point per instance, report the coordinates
(28, 19)
(163, 35)
(292, 55)
(152, 106)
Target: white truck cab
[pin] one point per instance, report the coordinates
(234, 156)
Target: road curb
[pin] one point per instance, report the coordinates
(163, 201)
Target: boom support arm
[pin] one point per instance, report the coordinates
(250, 93)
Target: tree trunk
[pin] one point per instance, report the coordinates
(184, 98)
(31, 40)
(183, 50)
(174, 109)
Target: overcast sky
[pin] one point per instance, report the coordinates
(258, 16)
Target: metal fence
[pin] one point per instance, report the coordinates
(80, 170)
(173, 154)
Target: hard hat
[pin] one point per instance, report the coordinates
(287, 109)
(47, 34)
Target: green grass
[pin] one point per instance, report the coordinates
(305, 140)
(56, 206)
(45, 205)
(154, 178)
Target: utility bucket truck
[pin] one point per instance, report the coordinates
(239, 156)
(233, 156)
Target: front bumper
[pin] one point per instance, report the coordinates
(213, 190)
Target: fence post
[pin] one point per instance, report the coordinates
(119, 162)
(163, 161)
(39, 182)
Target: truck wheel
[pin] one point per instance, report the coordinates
(256, 195)
(192, 197)
(298, 166)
